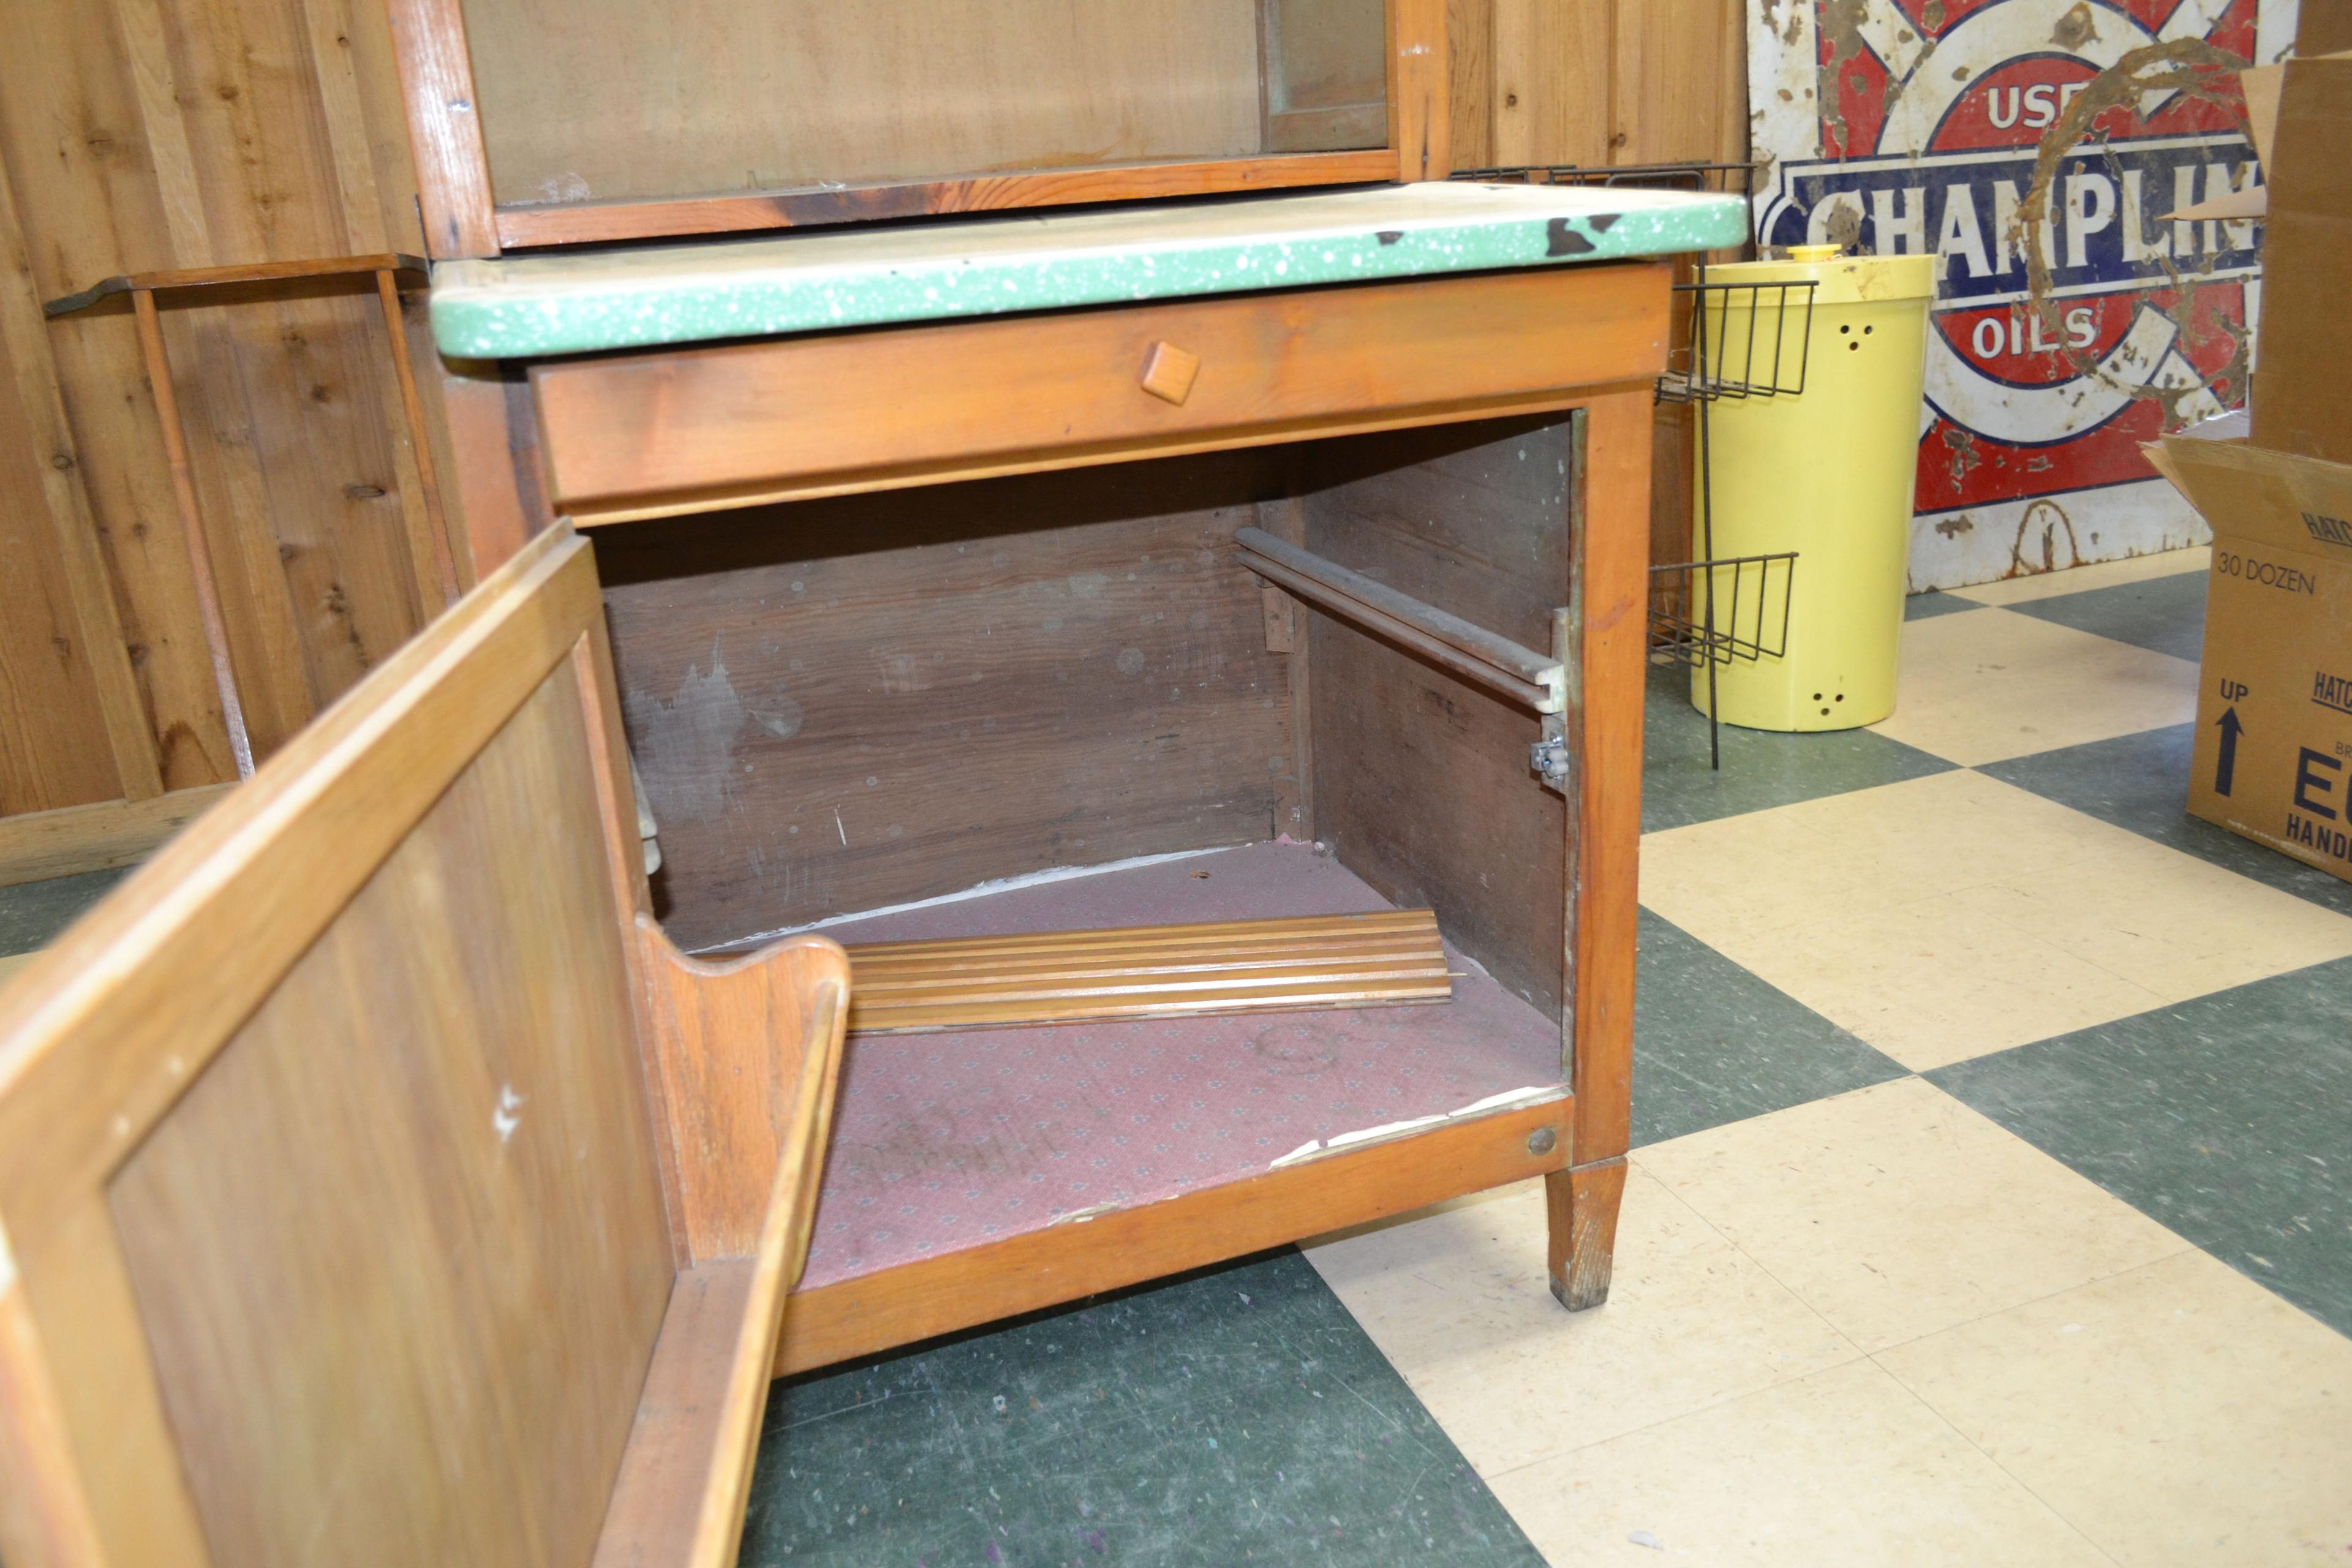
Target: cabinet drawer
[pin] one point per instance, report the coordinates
(653, 434)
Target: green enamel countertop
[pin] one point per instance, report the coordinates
(533, 307)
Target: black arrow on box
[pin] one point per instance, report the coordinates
(2226, 766)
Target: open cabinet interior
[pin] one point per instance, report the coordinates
(710, 97)
(846, 705)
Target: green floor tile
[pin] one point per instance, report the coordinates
(2225, 1117)
(1713, 1043)
(2165, 613)
(1761, 769)
(2141, 781)
(1920, 606)
(1233, 1415)
(31, 913)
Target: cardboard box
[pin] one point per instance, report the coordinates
(2274, 754)
(2304, 340)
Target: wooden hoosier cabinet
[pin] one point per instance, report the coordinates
(1088, 518)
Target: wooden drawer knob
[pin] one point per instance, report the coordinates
(1168, 372)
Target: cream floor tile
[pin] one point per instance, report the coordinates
(1456, 1302)
(1874, 847)
(2177, 925)
(1840, 1469)
(2082, 579)
(1937, 982)
(1978, 688)
(2178, 1415)
(1897, 1212)
(1945, 916)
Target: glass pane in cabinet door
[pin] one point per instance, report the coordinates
(1325, 66)
(601, 100)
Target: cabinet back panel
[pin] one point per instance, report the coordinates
(843, 704)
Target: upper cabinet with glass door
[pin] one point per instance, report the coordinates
(543, 123)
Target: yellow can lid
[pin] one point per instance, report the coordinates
(1842, 280)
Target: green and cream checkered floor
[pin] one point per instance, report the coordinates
(1992, 1203)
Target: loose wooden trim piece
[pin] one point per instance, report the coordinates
(95, 837)
(407, 272)
(954, 1290)
(1149, 971)
(589, 223)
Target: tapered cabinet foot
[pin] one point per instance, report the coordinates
(1581, 1207)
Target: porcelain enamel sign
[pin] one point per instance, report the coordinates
(2037, 146)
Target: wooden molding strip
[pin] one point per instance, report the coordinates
(1387, 959)
(1063, 1262)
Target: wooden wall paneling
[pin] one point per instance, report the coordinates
(53, 747)
(193, 136)
(307, 448)
(997, 679)
(1470, 72)
(77, 729)
(1679, 88)
(87, 205)
(360, 33)
(1422, 781)
(1551, 87)
(1607, 82)
(335, 58)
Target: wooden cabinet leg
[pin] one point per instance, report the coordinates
(1581, 1208)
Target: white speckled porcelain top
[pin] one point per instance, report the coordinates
(533, 307)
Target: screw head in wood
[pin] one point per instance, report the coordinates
(1543, 1140)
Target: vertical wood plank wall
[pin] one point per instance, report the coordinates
(141, 135)
(150, 134)
(1606, 82)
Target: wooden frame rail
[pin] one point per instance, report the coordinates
(1508, 669)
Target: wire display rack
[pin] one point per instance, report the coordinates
(1744, 340)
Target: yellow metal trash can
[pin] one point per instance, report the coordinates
(1826, 472)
